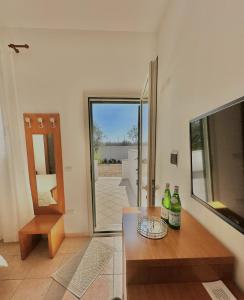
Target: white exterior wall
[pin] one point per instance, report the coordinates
(125, 173)
(132, 169)
(116, 152)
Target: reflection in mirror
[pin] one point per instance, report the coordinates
(144, 144)
(200, 161)
(43, 146)
(217, 155)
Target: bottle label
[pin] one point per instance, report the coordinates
(174, 200)
(174, 218)
(164, 213)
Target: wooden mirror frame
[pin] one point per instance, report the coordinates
(32, 126)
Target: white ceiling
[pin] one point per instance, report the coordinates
(106, 15)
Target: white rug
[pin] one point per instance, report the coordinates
(81, 270)
(3, 262)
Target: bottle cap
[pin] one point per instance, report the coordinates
(176, 188)
(167, 185)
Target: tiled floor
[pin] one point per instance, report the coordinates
(31, 279)
(110, 197)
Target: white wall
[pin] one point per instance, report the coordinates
(132, 169)
(201, 66)
(125, 168)
(53, 76)
(116, 152)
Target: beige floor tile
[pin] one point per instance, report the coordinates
(69, 296)
(7, 288)
(118, 267)
(17, 268)
(101, 289)
(67, 257)
(118, 283)
(72, 245)
(56, 292)
(9, 249)
(36, 269)
(32, 289)
(44, 267)
(41, 249)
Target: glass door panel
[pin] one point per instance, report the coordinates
(144, 146)
(147, 145)
(114, 159)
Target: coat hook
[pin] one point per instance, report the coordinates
(15, 47)
(52, 121)
(28, 121)
(40, 121)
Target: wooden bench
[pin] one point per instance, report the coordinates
(30, 234)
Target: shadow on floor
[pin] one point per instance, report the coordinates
(130, 194)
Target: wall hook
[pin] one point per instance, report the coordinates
(52, 121)
(28, 121)
(15, 47)
(40, 121)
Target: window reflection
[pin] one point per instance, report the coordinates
(43, 146)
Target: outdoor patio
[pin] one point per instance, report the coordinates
(115, 188)
(111, 197)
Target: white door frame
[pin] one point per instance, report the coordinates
(150, 94)
(152, 126)
(113, 96)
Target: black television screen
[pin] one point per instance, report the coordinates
(217, 162)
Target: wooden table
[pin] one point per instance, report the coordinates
(176, 291)
(189, 255)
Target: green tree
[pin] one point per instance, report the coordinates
(97, 137)
(133, 134)
(197, 135)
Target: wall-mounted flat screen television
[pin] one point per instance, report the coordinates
(217, 161)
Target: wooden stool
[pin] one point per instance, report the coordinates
(30, 234)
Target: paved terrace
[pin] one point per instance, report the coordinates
(112, 194)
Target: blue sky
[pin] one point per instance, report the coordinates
(115, 120)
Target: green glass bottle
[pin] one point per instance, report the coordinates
(166, 203)
(175, 210)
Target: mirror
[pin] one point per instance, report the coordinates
(44, 155)
(217, 162)
(45, 169)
